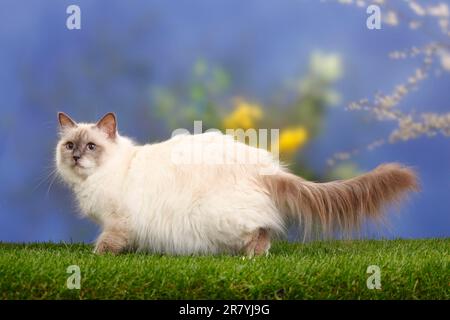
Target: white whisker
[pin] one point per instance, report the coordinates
(45, 179)
(55, 176)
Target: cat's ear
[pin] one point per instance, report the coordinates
(108, 124)
(65, 121)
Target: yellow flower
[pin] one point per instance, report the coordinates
(244, 116)
(292, 139)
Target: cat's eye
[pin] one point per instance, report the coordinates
(91, 146)
(69, 145)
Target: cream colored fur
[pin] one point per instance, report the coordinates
(147, 198)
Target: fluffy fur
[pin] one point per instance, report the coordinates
(194, 194)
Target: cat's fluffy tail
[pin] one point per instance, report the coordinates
(340, 205)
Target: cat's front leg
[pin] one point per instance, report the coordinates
(258, 243)
(114, 239)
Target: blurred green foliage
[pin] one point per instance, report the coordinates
(206, 96)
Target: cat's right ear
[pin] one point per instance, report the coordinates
(65, 121)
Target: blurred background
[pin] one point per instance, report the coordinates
(345, 98)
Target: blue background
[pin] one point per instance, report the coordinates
(126, 48)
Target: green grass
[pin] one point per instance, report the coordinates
(410, 269)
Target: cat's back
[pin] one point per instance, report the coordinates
(207, 149)
(181, 149)
(208, 157)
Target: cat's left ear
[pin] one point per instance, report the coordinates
(108, 124)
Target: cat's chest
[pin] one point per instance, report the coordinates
(96, 202)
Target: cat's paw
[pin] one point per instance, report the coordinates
(113, 242)
(103, 247)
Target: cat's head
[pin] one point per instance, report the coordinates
(84, 147)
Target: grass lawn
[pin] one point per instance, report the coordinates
(410, 269)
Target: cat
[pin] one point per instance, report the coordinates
(144, 200)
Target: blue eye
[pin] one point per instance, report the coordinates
(91, 146)
(69, 145)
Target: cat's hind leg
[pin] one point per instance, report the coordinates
(258, 243)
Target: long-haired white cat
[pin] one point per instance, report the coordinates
(145, 201)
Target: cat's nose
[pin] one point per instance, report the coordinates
(76, 158)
